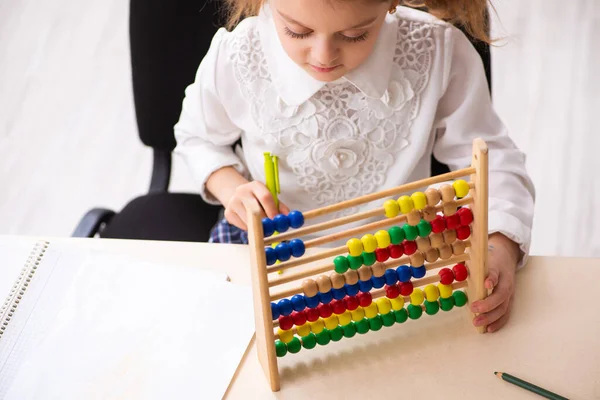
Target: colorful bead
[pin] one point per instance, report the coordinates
(410, 247)
(413, 218)
(352, 303)
(299, 318)
(424, 228)
(447, 304)
(447, 192)
(392, 291)
(452, 221)
(460, 298)
(438, 225)
(351, 277)
(268, 227)
(432, 255)
(383, 239)
(355, 262)
(392, 209)
(406, 288)
(364, 299)
(417, 259)
(294, 346)
(337, 280)
(338, 294)
(446, 276)
(369, 243)
(423, 244)
(341, 264)
(331, 322)
(397, 303)
(280, 349)
(365, 286)
(429, 213)
(388, 319)
(433, 196)
(325, 310)
(419, 200)
(404, 273)
(371, 310)
(345, 318)
(450, 208)
(336, 334)
(465, 215)
(432, 308)
(338, 306)
(362, 326)
(323, 337)
(432, 293)
(375, 323)
(285, 307)
(418, 272)
(324, 283)
(378, 282)
(391, 277)
(384, 305)
(460, 272)
(312, 314)
(417, 297)
(445, 290)
(317, 326)
(396, 235)
(368, 258)
(312, 302)
(410, 232)
(445, 251)
(463, 232)
(285, 335)
(461, 188)
(414, 312)
(310, 288)
(401, 315)
(459, 247)
(406, 204)
(352, 290)
(298, 248)
(274, 311)
(298, 302)
(382, 255)
(284, 251)
(282, 223)
(365, 273)
(358, 314)
(449, 236)
(437, 240)
(396, 251)
(326, 298)
(286, 322)
(349, 330)
(309, 341)
(270, 255)
(303, 330)
(355, 247)
(296, 219)
(379, 270)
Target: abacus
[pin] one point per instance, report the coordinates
(364, 285)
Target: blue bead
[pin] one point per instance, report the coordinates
(326, 298)
(296, 219)
(285, 307)
(365, 286)
(282, 223)
(391, 277)
(284, 251)
(378, 283)
(404, 273)
(268, 227)
(419, 272)
(338, 294)
(352, 290)
(271, 254)
(312, 302)
(298, 302)
(298, 248)
(275, 311)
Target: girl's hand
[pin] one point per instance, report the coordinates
(502, 264)
(235, 209)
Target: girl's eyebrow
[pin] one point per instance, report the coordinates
(357, 26)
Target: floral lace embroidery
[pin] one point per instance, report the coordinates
(340, 144)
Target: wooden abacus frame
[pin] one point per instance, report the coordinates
(476, 255)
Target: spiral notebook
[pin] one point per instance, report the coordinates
(83, 324)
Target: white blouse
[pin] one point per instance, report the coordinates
(423, 90)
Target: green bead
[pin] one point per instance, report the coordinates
(369, 258)
(309, 341)
(336, 333)
(410, 232)
(447, 304)
(388, 319)
(349, 330)
(414, 312)
(431, 308)
(324, 337)
(362, 326)
(460, 298)
(280, 348)
(294, 346)
(424, 228)
(341, 264)
(401, 315)
(355, 262)
(375, 323)
(396, 235)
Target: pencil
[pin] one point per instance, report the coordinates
(272, 183)
(529, 386)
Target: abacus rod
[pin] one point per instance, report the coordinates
(307, 259)
(389, 192)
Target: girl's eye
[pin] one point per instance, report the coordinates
(295, 35)
(355, 39)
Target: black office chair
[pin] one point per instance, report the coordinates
(168, 41)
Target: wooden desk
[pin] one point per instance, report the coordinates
(552, 339)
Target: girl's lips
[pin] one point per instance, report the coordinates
(324, 70)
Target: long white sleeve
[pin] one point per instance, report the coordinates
(205, 132)
(465, 112)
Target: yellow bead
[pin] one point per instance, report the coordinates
(383, 239)
(331, 322)
(355, 247)
(406, 204)
(397, 303)
(317, 326)
(285, 336)
(461, 187)
(371, 310)
(445, 291)
(345, 318)
(369, 243)
(417, 297)
(391, 208)
(432, 293)
(358, 314)
(303, 330)
(419, 200)
(384, 306)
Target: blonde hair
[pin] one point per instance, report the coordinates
(468, 14)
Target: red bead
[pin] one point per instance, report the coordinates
(286, 322)
(351, 303)
(409, 247)
(312, 314)
(463, 232)
(396, 250)
(392, 291)
(382, 255)
(406, 288)
(465, 215)
(452, 221)
(365, 299)
(325, 310)
(460, 272)
(438, 225)
(338, 306)
(446, 276)
(299, 318)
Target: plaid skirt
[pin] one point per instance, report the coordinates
(224, 232)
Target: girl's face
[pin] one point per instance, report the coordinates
(329, 38)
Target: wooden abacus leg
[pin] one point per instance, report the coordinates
(478, 252)
(263, 319)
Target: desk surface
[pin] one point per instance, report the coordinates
(552, 339)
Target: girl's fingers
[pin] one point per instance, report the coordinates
(492, 278)
(236, 215)
(491, 317)
(283, 209)
(500, 322)
(265, 198)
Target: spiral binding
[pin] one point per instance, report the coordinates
(22, 283)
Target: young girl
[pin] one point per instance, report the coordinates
(353, 96)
